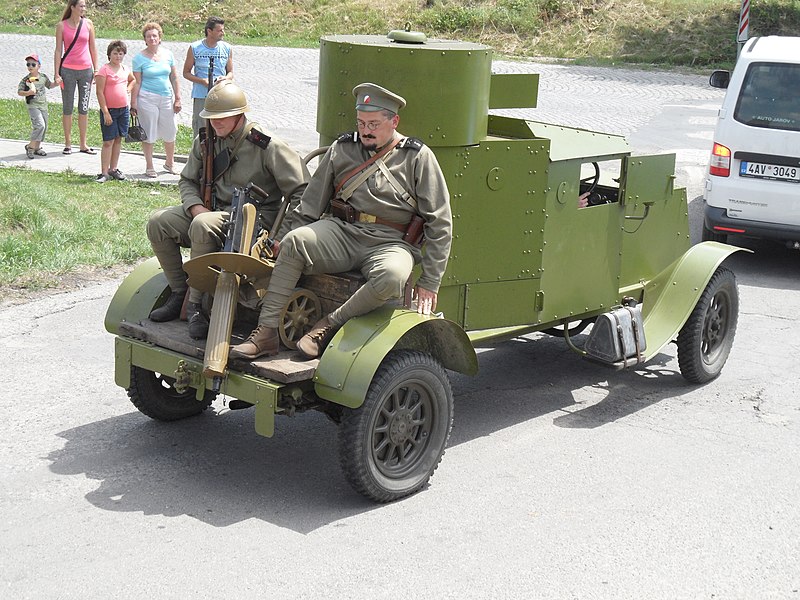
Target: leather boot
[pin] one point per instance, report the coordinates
(170, 310)
(312, 344)
(262, 341)
(198, 322)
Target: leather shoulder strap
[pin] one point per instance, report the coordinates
(383, 152)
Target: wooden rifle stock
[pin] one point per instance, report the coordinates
(207, 182)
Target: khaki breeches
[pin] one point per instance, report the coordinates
(330, 246)
(170, 229)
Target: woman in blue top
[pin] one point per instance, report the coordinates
(156, 97)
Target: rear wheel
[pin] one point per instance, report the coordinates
(705, 340)
(391, 445)
(154, 394)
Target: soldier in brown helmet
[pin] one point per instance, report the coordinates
(243, 154)
(381, 188)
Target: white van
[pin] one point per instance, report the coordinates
(753, 184)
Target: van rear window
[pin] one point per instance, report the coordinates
(769, 96)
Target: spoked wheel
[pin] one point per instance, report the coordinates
(391, 445)
(705, 340)
(154, 394)
(298, 316)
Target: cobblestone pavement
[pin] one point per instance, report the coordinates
(658, 111)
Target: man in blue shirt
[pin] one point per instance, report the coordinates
(195, 67)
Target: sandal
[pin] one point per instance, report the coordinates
(151, 173)
(67, 150)
(28, 151)
(170, 169)
(40, 152)
(88, 151)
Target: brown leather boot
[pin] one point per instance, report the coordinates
(312, 344)
(262, 341)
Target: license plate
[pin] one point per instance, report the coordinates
(766, 171)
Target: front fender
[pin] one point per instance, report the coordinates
(349, 363)
(136, 295)
(670, 296)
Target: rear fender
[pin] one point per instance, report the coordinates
(354, 354)
(670, 296)
(136, 295)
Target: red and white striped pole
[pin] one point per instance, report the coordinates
(744, 25)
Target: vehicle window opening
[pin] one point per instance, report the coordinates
(601, 181)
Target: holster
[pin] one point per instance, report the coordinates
(342, 210)
(415, 232)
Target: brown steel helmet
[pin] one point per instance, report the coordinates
(226, 99)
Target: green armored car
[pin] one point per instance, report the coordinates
(621, 269)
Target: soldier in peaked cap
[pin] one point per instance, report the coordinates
(248, 156)
(378, 185)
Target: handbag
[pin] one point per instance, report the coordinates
(136, 132)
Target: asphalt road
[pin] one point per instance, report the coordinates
(562, 479)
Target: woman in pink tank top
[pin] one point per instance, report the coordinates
(75, 70)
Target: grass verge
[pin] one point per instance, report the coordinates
(55, 225)
(16, 125)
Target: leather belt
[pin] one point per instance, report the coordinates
(345, 212)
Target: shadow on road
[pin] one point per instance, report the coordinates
(216, 469)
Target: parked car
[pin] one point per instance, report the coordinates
(753, 183)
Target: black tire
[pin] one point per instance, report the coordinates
(705, 340)
(390, 446)
(712, 236)
(154, 395)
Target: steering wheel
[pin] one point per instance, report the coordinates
(591, 180)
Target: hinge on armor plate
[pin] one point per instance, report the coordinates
(538, 303)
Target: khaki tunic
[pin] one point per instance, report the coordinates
(415, 167)
(276, 169)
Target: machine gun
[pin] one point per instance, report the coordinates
(221, 273)
(207, 146)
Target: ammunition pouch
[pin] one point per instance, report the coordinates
(412, 232)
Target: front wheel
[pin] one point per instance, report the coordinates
(705, 340)
(154, 394)
(390, 446)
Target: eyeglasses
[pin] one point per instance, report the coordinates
(32, 64)
(371, 126)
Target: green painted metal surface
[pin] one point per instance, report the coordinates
(573, 143)
(670, 297)
(347, 366)
(514, 90)
(581, 252)
(649, 246)
(432, 77)
(497, 203)
(262, 393)
(135, 297)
